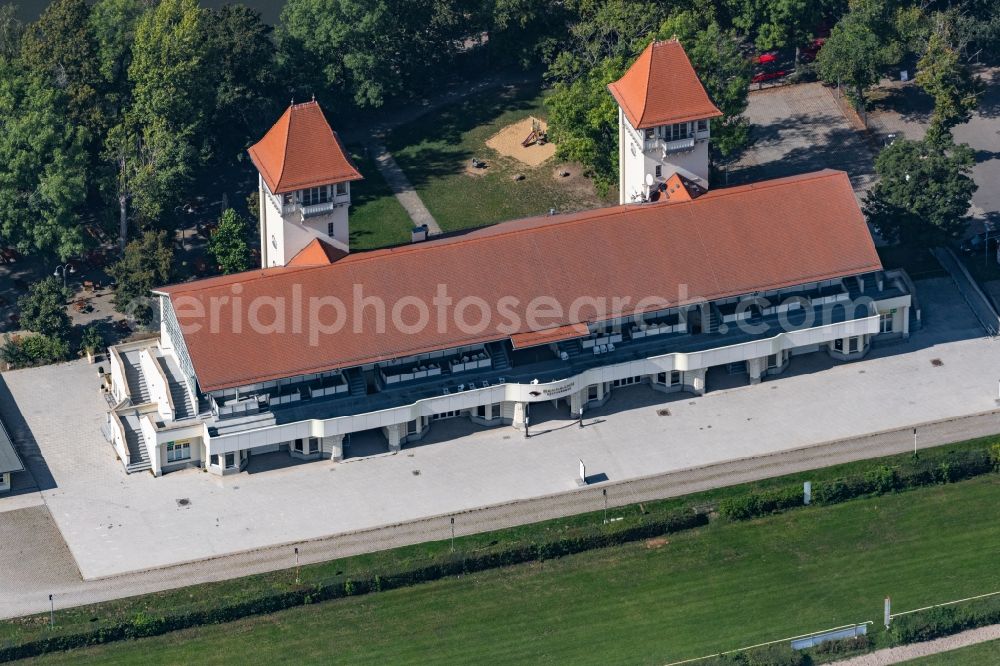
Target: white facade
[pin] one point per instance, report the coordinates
(292, 220)
(650, 156)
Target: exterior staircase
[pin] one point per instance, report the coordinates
(137, 388)
(499, 355)
(184, 407)
(136, 443)
(714, 319)
(572, 349)
(356, 382)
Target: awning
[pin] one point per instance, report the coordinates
(549, 335)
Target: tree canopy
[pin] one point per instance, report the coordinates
(948, 80)
(924, 191)
(228, 243)
(146, 264)
(43, 308)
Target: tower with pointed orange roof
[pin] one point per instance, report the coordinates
(664, 117)
(304, 186)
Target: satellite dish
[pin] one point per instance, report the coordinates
(649, 179)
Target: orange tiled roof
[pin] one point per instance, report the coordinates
(316, 253)
(727, 242)
(301, 151)
(662, 88)
(549, 335)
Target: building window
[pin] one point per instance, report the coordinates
(678, 131)
(650, 133)
(659, 171)
(675, 377)
(662, 379)
(702, 125)
(329, 229)
(838, 345)
(341, 189)
(592, 392)
(885, 322)
(230, 460)
(772, 361)
(446, 415)
(626, 381)
(481, 411)
(313, 445)
(214, 459)
(315, 195)
(298, 445)
(177, 452)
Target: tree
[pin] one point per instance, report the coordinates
(873, 35)
(245, 100)
(228, 243)
(61, 48)
(43, 165)
(789, 23)
(954, 89)
(368, 52)
(583, 121)
(146, 264)
(853, 55)
(43, 308)
(19, 352)
(11, 30)
(924, 190)
(92, 340)
(717, 57)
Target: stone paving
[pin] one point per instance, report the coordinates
(800, 128)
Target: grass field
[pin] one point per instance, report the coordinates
(984, 654)
(435, 150)
(377, 218)
(720, 587)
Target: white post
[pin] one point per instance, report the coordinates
(914, 441)
(887, 619)
(583, 474)
(807, 492)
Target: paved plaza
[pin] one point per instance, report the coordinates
(797, 129)
(114, 523)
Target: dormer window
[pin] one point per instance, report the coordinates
(677, 131)
(341, 189)
(703, 125)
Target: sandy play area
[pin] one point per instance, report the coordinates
(508, 142)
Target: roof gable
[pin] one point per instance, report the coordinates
(300, 151)
(317, 253)
(662, 88)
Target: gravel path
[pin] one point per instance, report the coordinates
(904, 653)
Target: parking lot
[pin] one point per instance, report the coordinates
(797, 129)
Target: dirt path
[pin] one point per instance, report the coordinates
(904, 653)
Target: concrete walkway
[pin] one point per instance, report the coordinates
(904, 653)
(402, 187)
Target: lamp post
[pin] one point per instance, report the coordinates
(581, 416)
(61, 271)
(604, 491)
(453, 534)
(297, 579)
(52, 611)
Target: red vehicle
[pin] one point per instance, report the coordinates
(768, 58)
(808, 52)
(761, 77)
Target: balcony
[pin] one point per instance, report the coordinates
(316, 209)
(676, 146)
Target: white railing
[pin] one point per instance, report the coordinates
(318, 209)
(677, 145)
(513, 392)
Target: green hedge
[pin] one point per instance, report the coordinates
(944, 621)
(944, 468)
(144, 625)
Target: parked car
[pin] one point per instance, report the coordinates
(761, 77)
(808, 52)
(977, 244)
(768, 58)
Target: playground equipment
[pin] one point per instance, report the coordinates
(537, 135)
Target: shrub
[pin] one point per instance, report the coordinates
(944, 621)
(31, 350)
(995, 456)
(772, 655)
(881, 479)
(760, 503)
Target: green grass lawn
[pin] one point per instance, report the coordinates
(377, 218)
(719, 587)
(983, 654)
(435, 149)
